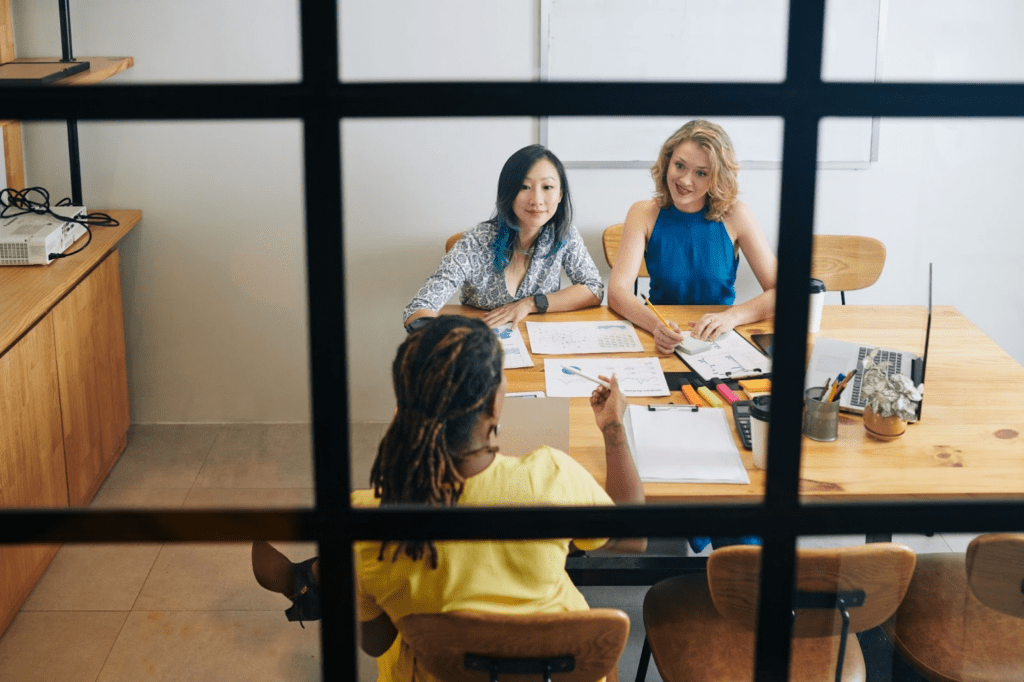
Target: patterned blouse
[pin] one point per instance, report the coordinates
(470, 264)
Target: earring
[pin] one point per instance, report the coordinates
(496, 429)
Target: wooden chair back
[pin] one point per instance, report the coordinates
(456, 237)
(440, 641)
(846, 262)
(881, 569)
(611, 239)
(995, 571)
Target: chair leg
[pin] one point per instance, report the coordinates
(645, 658)
(842, 297)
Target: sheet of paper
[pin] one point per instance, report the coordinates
(637, 376)
(678, 444)
(569, 338)
(512, 342)
(730, 356)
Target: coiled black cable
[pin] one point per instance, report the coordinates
(15, 202)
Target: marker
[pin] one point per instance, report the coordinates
(573, 370)
(655, 311)
(705, 392)
(691, 395)
(724, 390)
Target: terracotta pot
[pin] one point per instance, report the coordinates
(883, 428)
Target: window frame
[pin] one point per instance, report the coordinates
(320, 101)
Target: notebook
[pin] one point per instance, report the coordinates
(830, 357)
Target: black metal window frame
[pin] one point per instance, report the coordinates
(321, 101)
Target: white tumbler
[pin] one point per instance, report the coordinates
(817, 301)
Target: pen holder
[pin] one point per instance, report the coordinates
(821, 419)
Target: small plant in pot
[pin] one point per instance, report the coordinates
(891, 400)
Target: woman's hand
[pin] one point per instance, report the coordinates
(666, 338)
(712, 325)
(609, 404)
(512, 312)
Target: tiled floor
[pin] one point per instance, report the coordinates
(193, 612)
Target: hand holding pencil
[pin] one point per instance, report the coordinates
(666, 335)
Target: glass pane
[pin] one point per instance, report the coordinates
(877, 249)
(563, 40)
(141, 610)
(189, 42)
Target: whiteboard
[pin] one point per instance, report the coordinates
(698, 41)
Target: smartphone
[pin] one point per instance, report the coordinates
(764, 342)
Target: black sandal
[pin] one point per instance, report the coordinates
(306, 593)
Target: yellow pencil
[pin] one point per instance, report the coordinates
(655, 310)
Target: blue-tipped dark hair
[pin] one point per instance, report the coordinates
(509, 183)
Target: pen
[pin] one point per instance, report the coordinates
(655, 310)
(835, 387)
(724, 390)
(573, 370)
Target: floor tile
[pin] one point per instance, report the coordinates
(212, 576)
(138, 498)
(204, 646)
(249, 498)
(259, 456)
(958, 541)
(163, 456)
(631, 600)
(28, 652)
(97, 577)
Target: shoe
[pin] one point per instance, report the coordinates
(274, 572)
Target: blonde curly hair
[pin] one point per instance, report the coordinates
(713, 139)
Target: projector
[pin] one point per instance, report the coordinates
(33, 238)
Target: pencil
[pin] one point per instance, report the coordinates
(655, 310)
(842, 385)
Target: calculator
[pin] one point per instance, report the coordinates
(741, 415)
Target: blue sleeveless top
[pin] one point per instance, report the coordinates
(691, 260)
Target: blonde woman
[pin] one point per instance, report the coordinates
(691, 234)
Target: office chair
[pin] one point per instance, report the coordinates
(456, 237)
(963, 616)
(702, 628)
(847, 262)
(469, 646)
(611, 238)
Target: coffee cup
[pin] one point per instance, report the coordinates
(817, 301)
(760, 414)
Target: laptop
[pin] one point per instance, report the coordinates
(829, 357)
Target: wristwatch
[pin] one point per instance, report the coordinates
(417, 323)
(541, 301)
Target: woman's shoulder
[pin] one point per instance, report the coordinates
(740, 211)
(645, 207)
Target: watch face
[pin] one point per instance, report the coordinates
(542, 302)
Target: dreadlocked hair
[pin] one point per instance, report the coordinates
(445, 375)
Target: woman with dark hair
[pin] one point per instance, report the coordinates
(690, 235)
(439, 451)
(511, 265)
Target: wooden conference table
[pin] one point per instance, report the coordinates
(968, 444)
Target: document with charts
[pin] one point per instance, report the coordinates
(512, 342)
(569, 338)
(637, 376)
(730, 357)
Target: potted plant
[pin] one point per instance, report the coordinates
(891, 400)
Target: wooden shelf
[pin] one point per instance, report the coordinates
(28, 292)
(100, 68)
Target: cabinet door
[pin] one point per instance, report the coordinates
(88, 330)
(31, 455)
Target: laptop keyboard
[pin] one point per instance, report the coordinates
(895, 361)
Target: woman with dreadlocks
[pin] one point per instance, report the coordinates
(439, 451)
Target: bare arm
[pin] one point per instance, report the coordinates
(635, 231)
(622, 482)
(752, 242)
(376, 636)
(572, 297)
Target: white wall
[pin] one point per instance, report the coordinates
(214, 276)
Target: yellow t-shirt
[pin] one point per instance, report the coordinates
(508, 576)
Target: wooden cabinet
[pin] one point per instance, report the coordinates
(63, 391)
